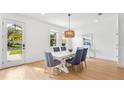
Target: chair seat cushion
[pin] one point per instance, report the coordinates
(56, 62)
(77, 59)
(71, 62)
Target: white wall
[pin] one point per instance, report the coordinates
(121, 39)
(0, 41)
(104, 37)
(77, 40)
(36, 36)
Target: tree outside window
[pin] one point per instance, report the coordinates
(53, 39)
(14, 40)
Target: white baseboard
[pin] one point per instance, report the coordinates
(121, 66)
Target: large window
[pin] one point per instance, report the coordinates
(53, 37)
(63, 40)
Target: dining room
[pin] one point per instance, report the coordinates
(60, 46)
(95, 33)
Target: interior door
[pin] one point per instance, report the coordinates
(13, 43)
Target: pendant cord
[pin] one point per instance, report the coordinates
(69, 20)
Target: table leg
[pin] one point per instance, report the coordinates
(63, 66)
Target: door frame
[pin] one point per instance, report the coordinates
(5, 62)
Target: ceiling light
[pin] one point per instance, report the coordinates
(69, 33)
(100, 14)
(43, 13)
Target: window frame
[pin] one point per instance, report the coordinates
(63, 38)
(56, 38)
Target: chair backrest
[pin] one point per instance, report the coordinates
(63, 48)
(78, 48)
(56, 49)
(84, 54)
(78, 56)
(49, 59)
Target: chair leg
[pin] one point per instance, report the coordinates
(45, 68)
(71, 67)
(53, 71)
(75, 68)
(48, 69)
(81, 66)
(85, 64)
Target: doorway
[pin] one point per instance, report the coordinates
(13, 43)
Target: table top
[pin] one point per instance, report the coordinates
(61, 55)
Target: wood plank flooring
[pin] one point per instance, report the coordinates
(96, 70)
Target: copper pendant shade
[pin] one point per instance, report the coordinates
(69, 33)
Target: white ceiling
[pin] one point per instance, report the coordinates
(77, 19)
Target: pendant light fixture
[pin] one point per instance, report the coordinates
(69, 33)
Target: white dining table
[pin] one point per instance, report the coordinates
(62, 56)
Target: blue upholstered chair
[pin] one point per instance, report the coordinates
(75, 62)
(63, 49)
(78, 48)
(56, 49)
(50, 62)
(84, 55)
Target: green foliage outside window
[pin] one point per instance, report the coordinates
(53, 39)
(63, 41)
(14, 39)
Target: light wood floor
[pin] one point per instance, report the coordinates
(97, 70)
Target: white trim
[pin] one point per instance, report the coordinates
(4, 32)
(120, 65)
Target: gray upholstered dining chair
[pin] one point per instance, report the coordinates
(63, 49)
(50, 62)
(84, 55)
(75, 62)
(56, 49)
